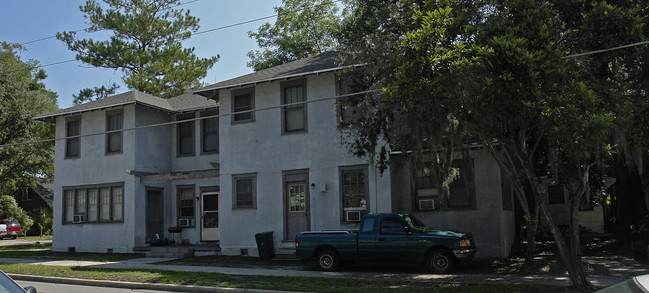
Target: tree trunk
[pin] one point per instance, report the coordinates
(571, 258)
(507, 165)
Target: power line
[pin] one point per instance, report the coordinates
(197, 33)
(605, 50)
(194, 119)
(84, 29)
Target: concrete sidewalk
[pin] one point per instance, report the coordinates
(150, 263)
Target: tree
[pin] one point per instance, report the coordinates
(9, 209)
(302, 29)
(96, 93)
(495, 70)
(145, 44)
(43, 218)
(23, 95)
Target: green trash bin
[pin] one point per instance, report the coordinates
(265, 245)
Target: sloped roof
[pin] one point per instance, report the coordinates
(182, 103)
(325, 62)
(45, 190)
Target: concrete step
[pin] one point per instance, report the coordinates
(167, 254)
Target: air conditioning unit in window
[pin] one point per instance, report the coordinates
(353, 216)
(426, 204)
(78, 219)
(185, 222)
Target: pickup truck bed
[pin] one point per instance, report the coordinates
(386, 237)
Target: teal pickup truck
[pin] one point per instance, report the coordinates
(386, 237)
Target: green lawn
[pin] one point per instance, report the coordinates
(314, 284)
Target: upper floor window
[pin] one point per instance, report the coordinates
(210, 132)
(114, 125)
(354, 192)
(461, 188)
(294, 114)
(243, 101)
(245, 191)
(185, 135)
(72, 142)
(348, 111)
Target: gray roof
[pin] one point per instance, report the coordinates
(182, 103)
(325, 62)
(45, 190)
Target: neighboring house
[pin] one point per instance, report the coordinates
(592, 216)
(34, 198)
(267, 163)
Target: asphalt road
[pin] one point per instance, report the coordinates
(55, 288)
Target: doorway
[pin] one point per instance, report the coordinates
(154, 215)
(296, 203)
(210, 216)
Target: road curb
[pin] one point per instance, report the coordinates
(134, 285)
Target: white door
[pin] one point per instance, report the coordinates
(210, 216)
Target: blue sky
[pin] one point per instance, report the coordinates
(27, 20)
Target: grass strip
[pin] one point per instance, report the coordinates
(314, 284)
(26, 246)
(48, 254)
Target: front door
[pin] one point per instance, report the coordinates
(154, 215)
(210, 216)
(297, 208)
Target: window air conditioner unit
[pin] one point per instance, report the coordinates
(78, 219)
(353, 216)
(185, 222)
(426, 204)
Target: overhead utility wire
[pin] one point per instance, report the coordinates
(605, 50)
(197, 33)
(194, 119)
(52, 37)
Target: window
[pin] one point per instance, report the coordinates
(210, 132)
(393, 226)
(556, 194)
(294, 116)
(114, 125)
(348, 114)
(245, 191)
(461, 189)
(185, 135)
(243, 101)
(186, 197)
(94, 204)
(353, 182)
(368, 225)
(72, 132)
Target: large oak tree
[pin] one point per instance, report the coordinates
(496, 72)
(23, 95)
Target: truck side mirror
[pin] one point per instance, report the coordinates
(407, 230)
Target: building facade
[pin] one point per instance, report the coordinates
(260, 152)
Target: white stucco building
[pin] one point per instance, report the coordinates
(261, 152)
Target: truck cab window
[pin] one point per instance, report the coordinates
(368, 225)
(392, 226)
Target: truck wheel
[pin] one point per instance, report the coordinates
(441, 262)
(327, 260)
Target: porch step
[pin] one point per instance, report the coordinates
(285, 252)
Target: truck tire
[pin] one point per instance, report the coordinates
(441, 262)
(327, 260)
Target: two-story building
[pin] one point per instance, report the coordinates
(260, 152)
